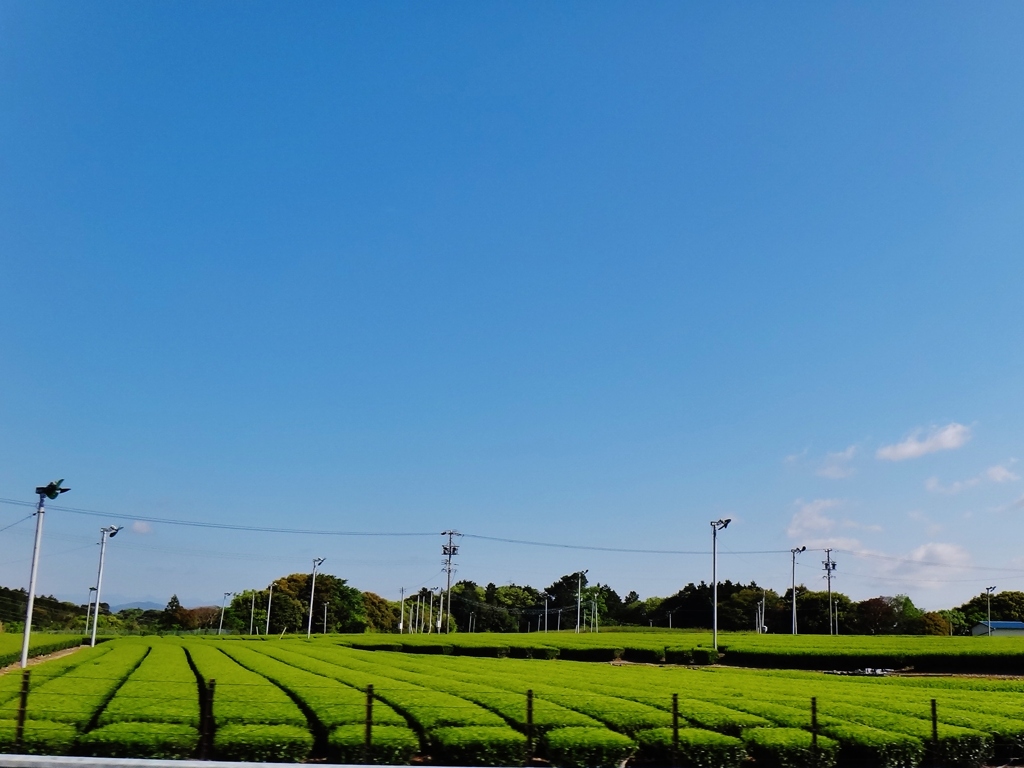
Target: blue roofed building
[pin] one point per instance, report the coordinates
(1000, 628)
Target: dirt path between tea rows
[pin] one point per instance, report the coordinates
(39, 659)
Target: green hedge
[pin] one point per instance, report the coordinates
(262, 743)
(705, 656)
(478, 745)
(644, 655)
(532, 652)
(679, 655)
(591, 654)
(41, 648)
(697, 748)
(861, 745)
(439, 649)
(392, 647)
(41, 737)
(487, 651)
(389, 745)
(789, 748)
(148, 740)
(586, 747)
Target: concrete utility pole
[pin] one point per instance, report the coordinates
(579, 597)
(716, 526)
(449, 551)
(990, 590)
(401, 615)
(105, 533)
(317, 562)
(795, 551)
(830, 565)
(270, 597)
(50, 491)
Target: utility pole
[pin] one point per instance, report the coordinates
(449, 551)
(317, 561)
(270, 597)
(716, 526)
(795, 551)
(49, 491)
(252, 612)
(579, 598)
(105, 533)
(401, 615)
(830, 565)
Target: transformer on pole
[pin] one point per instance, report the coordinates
(449, 551)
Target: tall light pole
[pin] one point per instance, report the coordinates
(317, 561)
(579, 597)
(830, 565)
(88, 609)
(449, 550)
(716, 526)
(270, 597)
(252, 612)
(105, 533)
(50, 491)
(223, 604)
(990, 590)
(795, 551)
(401, 614)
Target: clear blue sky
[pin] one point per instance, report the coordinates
(587, 273)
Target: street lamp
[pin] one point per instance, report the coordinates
(795, 551)
(105, 533)
(716, 526)
(990, 590)
(50, 491)
(579, 596)
(270, 597)
(317, 561)
(88, 609)
(223, 604)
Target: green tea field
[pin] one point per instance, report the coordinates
(295, 700)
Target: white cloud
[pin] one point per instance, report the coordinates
(810, 518)
(933, 485)
(141, 527)
(794, 458)
(837, 464)
(945, 438)
(931, 527)
(933, 563)
(1001, 473)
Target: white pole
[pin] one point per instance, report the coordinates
(794, 591)
(88, 610)
(545, 614)
(440, 610)
(401, 614)
(270, 597)
(325, 617)
(312, 586)
(252, 612)
(32, 581)
(714, 586)
(99, 584)
(223, 604)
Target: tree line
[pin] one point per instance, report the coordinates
(514, 608)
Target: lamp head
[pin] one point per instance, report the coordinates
(52, 490)
(112, 530)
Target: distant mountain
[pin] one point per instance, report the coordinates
(146, 606)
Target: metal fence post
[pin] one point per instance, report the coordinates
(675, 729)
(529, 725)
(206, 721)
(22, 706)
(368, 736)
(814, 729)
